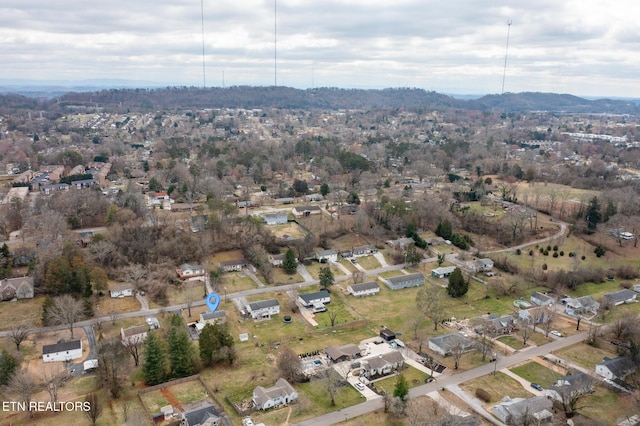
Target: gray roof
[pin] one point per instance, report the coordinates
(349, 350)
(310, 297)
(620, 366)
(200, 415)
(62, 346)
(280, 389)
(446, 341)
(514, 409)
(262, 304)
(404, 278)
(541, 296)
(621, 295)
(364, 286)
(134, 330)
(213, 315)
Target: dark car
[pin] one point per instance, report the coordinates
(536, 386)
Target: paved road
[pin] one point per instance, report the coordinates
(447, 381)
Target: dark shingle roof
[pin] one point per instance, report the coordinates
(310, 297)
(255, 306)
(365, 286)
(62, 346)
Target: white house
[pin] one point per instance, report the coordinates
(315, 301)
(382, 365)
(570, 386)
(282, 393)
(134, 334)
(511, 411)
(327, 256)
(615, 368)
(263, 309)
(190, 272)
(303, 211)
(279, 218)
(541, 299)
(621, 296)
(63, 351)
(364, 289)
(276, 259)
(213, 317)
(121, 290)
(442, 272)
(234, 265)
(364, 250)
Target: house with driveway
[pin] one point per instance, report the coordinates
(404, 281)
(442, 272)
(445, 344)
(234, 265)
(121, 290)
(615, 368)
(382, 365)
(324, 256)
(570, 386)
(134, 334)
(346, 352)
(513, 411)
(63, 351)
(315, 301)
(620, 297)
(279, 218)
(190, 272)
(541, 299)
(304, 211)
(499, 326)
(282, 393)
(363, 251)
(580, 306)
(369, 288)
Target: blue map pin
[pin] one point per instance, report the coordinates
(213, 301)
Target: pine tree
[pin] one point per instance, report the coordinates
(458, 286)
(402, 387)
(154, 365)
(8, 365)
(6, 261)
(594, 215)
(180, 352)
(290, 264)
(326, 277)
(216, 345)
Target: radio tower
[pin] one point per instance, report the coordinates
(504, 73)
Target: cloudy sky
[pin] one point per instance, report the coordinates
(582, 47)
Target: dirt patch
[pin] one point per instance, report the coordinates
(166, 392)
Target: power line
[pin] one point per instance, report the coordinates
(504, 73)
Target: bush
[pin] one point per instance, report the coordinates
(544, 266)
(561, 252)
(545, 252)
(571, 254)
(483, 395)
(555, 248)
(541, 249)
(584, 257)
(518, 252)
(555, 254)
(599, 251)
(626, 285)
(549, 248)
(530, 252)
(626, 272)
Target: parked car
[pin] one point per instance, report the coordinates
(556, 333)
(355, 262)
(536, 386)
(359, 386)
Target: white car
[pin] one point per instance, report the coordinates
(556, 333)
(359, 386)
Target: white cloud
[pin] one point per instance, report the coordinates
(581, 47)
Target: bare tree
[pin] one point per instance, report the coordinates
(457, 350)
(569, 393)
(605, 307)
(430, 301)
(112, 365)
(134, 274)
(66, 311)
(289, 365)
(53, 377)
(187, 296)
(95, 407)
(134, 345)
(114, 317)
(331, 380)
(416, 322)
(547, 322)
(486, 343)
(333, 315)
(525, 331)
(23, 384)
(19, 333)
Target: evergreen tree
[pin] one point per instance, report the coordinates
(8, 365)
(326, 277)
(46, 305)
(180, 352)
(290, 264)
(594, 215)
(324, 189)
(402, 387)
(155, 357)
(216, 345)
(458, 286)
(6, 261)
(444, 230)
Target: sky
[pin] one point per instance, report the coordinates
(583, 47)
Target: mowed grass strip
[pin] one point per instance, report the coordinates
(497, 386)
(537, 373)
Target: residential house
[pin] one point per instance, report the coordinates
(324, 256)
(382, 365)
(282, 393)
(234, 265)
(343, 353)
(514, 411)
(63, 351)
(157, 198)
(541, 299)
(263, 309)
(284, 200)
(279, 218)
(615, 368)
(363, 251)
(483, 265)
(303, 211)
(213, 317)
(16, 288)
(246, 204)
(203, 414)
(199, 222)
(499, 326)
(621, 296)
(404, 281)
(400, 243)
(85, 183)
(54, 187)
(276, 259)
(313, 198)
(189, 272)
(580, 306)
(134, 334)
(121, 290)
(442, 272)
(636, 288)
(315, 301)
(445, 343)
(369, 288)
(568, 387)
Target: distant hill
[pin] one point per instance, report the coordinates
(322, 98)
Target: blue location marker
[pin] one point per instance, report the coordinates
(213, 301)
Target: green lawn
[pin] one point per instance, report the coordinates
(585, 355)
(368, 262)
(316, 390)
(511, 341)
(413, 376)
(537, 373)
(498, 386)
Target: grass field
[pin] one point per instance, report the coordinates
(497, 386)
(280, 277)
(28, 311)
(584, 355)
(107, 305)
(537, 373)
(413, 376)
(180, 394)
